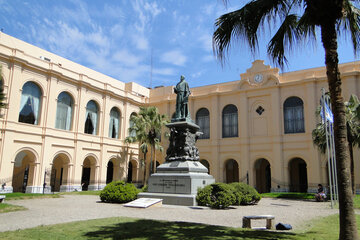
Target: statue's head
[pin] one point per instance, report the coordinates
(182, 78)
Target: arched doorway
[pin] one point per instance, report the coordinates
(110, 172)
(88, 173)
(59, 172)
(24, 171)
(298, 175)
(263, 175)
(132, 171)
(232, 171)
(206, 164)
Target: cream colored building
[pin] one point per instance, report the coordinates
(65, 124)
(52, 102)
(258, 129)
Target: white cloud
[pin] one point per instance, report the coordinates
(112, 11)
(99, 39)
(164, 71)
(197, 74)
(140, 41)
(125, 57)
(206, 41)
(117, 31)
(153, 8)
(175, 57)
(209, 9)
(142, 26)
(208, 58)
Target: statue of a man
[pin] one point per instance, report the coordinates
(183, 91)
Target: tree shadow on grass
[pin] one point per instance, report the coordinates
(154, 230)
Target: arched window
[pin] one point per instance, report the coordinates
(294, 115)
(114, 123)
(30, 103)
(230, 121)
(64, 111)
(91, 118)
(203, 120)
(131, 123)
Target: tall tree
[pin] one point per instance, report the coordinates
(352, 116)
(298, 21)
(147, 125)
(353, 132)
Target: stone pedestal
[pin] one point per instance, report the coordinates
(177, 180)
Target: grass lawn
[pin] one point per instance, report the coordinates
(130, 228)
(291, 195)
(5, 207)
(357, 201)
(82, 193)
(17, 195)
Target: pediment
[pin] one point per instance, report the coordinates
(259, 75)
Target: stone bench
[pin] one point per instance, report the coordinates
(2, 197)
(269, 220)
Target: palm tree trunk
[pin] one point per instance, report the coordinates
(352, 168)
(145, 180)
(351, 152)
(348, 228)
(151, 160)
(154, 164)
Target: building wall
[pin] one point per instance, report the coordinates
(45, 151)
(262, 136)
(43, 143)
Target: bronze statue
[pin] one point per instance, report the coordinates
(183, 91)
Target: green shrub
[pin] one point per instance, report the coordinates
(216, 195)
(244, 194)
(144, 188)
(119, 192)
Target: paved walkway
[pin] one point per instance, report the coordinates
(81, 207)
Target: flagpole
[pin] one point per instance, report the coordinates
(334, 165)
(323, 119)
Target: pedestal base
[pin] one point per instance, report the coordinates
(6, 189)
(172, 199)
(177, 182)
(70, 188)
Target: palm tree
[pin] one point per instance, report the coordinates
(353, 132)
(298, 20)
(352, 128)
(147, 126)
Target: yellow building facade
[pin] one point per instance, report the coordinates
(258, 129)
(65, 124)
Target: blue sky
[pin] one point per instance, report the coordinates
(118, 38)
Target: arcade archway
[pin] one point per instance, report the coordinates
(232, 171)
(88, 173)
(23, 171)
(59, 172)
(298, 175)
(263, 175)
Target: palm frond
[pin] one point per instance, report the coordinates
(351, 24)
(307, 28)
(286, 36)
(244, 23)
(319, 137)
